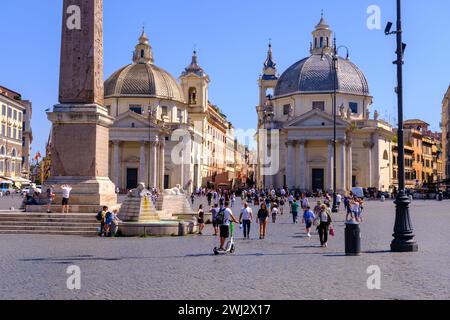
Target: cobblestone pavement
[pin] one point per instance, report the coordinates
(285, 265)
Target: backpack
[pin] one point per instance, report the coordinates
(220, 216)
(99, 216)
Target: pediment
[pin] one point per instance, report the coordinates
(315, 118)
(131, 119)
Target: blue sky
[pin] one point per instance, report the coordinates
(231, 38)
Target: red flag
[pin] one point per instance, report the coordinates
(37, 156)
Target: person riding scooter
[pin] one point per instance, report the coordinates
(223, 218)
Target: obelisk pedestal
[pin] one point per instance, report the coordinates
(80, 122)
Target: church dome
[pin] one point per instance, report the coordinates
(315, 73)
(142, 78)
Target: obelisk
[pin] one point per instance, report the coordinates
(80, 122)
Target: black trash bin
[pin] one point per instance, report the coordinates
(352, 239)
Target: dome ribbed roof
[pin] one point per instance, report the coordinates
(143, 80)
(315, 75)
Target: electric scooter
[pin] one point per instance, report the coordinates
(230, 247)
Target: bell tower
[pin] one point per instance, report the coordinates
(267, 83)
(195, 82)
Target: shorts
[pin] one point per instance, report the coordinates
(308, 224)
(262, 220)
(201, 221)
(65, 201)
(49, 201)
(224, 231)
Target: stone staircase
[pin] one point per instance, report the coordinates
(48, 223)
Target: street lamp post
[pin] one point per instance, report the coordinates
(403, 232)
(335, 58)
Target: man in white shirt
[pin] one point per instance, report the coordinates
(245, 219)
(65, 197)
(338, 201)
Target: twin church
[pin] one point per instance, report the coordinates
(149, 104)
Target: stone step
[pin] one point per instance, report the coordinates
(50, 224)
(72, 208)
(49, 221)
(51, 232)
(48, 228)
(48, 215)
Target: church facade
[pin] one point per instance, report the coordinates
(299, 105)
(165, 133)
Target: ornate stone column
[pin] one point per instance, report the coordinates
(302, 163)
(369, 145)
(142, 164)
(330, 165)
(343, 173)
(154, 164)
(117, 163)
(290, 164)
(349, 164)
(162, 163)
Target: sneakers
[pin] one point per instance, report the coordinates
(308, 235)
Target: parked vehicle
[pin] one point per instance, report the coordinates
(7, 188)
(26, 190)
(359, 192)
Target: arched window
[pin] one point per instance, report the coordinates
(385, 155)
(14, 153)
(142, 53)
(192, 95)
(2, 151)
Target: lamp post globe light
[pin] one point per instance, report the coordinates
(403, 232)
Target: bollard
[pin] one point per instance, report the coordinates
(383, 198)
(352, 238)
(182, 229)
